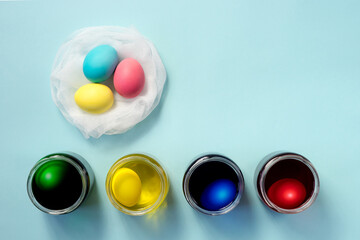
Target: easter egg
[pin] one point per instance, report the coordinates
(51, 175)
(129, 78)
(126, 186)
(100, 63)
(94, 98)
(218, 195)
(287, 193)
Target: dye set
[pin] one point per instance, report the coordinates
(137, 184)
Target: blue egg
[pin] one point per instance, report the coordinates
(218, 194)
(100, 63)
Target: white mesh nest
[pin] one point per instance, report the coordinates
(67, 76)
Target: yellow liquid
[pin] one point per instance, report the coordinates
(153, 181)
(150, 183)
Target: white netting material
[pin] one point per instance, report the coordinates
(67, 76)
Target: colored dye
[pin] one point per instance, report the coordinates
(150, 183)
(291, 169)
(283, 179)
(205, 185)
(130, 195)
(56, 184)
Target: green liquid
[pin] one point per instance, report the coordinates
(57, 185)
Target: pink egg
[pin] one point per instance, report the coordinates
(129, 78)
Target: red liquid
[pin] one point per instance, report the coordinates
(291, 169)
(287, 193)
(288, 168)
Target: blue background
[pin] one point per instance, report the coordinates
(245, 78)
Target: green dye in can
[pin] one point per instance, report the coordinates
(57, 184)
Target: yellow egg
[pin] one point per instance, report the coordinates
(126, 187)
(94, 98)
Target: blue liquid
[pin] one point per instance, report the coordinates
(218, 195)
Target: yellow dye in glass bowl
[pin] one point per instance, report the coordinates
(136, 184)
